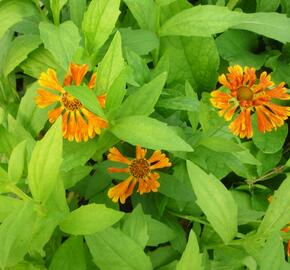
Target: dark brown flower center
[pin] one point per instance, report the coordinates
(70, 102)
(245, 94)
(139, 168)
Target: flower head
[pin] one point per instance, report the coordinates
(140, 170)
(246, 94)
(78, 123)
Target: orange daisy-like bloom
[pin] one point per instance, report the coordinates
(140, 170)
(246, 94)
(78, 123)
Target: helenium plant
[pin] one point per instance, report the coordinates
(144, 134)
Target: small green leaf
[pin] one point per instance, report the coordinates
(139, 41)
(270, 142)
(272, 255)
(278, 213)
(142, 102)
(136, 227)
(20, 48)
(190, 259)
(17, 162)
(99, 22)
(15, 235)
(56, 6)
(111, 66)
(62, 41)
(90, 219)
(87, 97)
(267, 5)
(215, 201)
(70, 255)
(145, 13)
(8, 205)
(220, 144)
(237, 47)
(77, 9)
(13, 11)
(149, 133)
(45, 162)
(113, 250)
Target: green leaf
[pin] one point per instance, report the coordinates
(272, 255)
(202, 21)
(99, 22)
(208, 20)
(142, 102)
(43, 170)
(136, 227)
(73, 176)
(149, 133)
(8, 205)
(31, 117)
(267, 5)
(15, 233)
(270, 142)
(77, 9)
(190, 259)
(56, 6)
(70, 255)
(90, 219)
(139, 41)
(113, 250)
(38, 61)
(220, 144)
(179, 103)
(62, 41)
(87, 97)
(278, 213)
(14, 11)
(158, 232)
(215, 201)
(111, 66)
(194, 59)
(20, 48)
(17, 162)
(237, 47)
(145, 13)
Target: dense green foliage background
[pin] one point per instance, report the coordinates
(157, 61)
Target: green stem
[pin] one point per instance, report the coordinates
(190, 218)
(18, 192)
(231, 4)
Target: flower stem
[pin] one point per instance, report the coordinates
(18, 192)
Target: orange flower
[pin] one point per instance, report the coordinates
(140, 170)
(246, 95)
(78, 123)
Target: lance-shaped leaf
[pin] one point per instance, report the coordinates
(215, 201)
(45, 162)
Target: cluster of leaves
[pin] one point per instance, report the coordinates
(157, 61)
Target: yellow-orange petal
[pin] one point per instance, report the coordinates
(279, 92)
(120, 191)
(242, 125)
(71, 129)
(115, 155)
(249, 76)
(96, 123)
(54, 114)
(223, 81)
(140, 152)
(78, 72)
(102, 100)
(45, 98)
(149, 184)
(65, 124)
(92, 81)
(49, 79)
(67, 80)
(82, 127)
(156, 156)
(162, 163)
